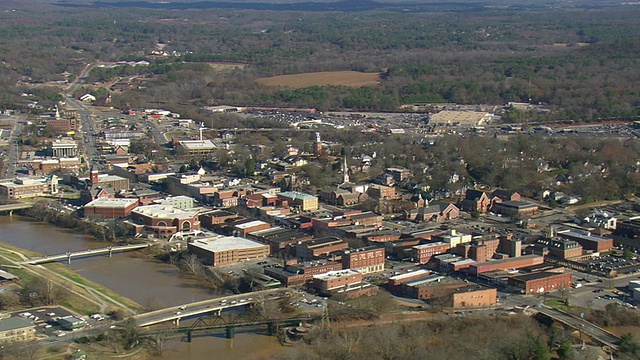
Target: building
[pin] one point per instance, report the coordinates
(366, 260)
(321, 247)
(479, 249)
(180, 202)
(559, 247)
(196, 147)
(436, 211)
(423, 253)
(109, 208)
(588, 240)
(16, 329)
(304, 202)
(62, 125)
(515, 208)
(64, 148)
(300, 273)
(28, 187)
(541, 282)
(381, 192)
(506, 264)
(280, 240)
(225, 250)
(166, 220)
(334, 280)
(468, 118)
(506, 195)
(71, 322)
(473, 296)
(453, 238)
(476, 201)
(246, 227)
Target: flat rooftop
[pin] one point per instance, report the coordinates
(428, 245)
(225, 243)
(584, 235)
(112, 202)
(410, 274)
(165, 211)
(335, 274)
(251, 224)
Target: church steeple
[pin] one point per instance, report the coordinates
(345, 171)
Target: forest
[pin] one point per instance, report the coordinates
(580, 62)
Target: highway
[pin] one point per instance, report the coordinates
(207, 306)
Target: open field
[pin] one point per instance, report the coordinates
(344, 78)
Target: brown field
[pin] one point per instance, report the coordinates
(226, 66)
(344, 78)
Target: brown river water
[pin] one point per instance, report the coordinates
(142, 280)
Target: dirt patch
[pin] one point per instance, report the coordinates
(622, 330)
(226, 66)
(344, 78)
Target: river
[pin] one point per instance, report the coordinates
(143, 280)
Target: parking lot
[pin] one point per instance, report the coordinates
(45, 319)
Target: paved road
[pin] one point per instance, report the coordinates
(583, 326)
(88, 129)
(14, 149)
(207, 306)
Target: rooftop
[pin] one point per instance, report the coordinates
(537, 275)
(580, 234)
(224, 243)
(335, 274)
(297, 195)
(14, 323)
(165, 211)
(251, 224)
(112, 202)
(197, 144)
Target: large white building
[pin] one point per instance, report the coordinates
(225, 250)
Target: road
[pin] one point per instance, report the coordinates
(583, 326)
(14, 148)
(207, 306)
(92, 156)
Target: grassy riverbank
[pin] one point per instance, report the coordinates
(84, 296)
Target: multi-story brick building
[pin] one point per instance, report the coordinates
(28, 187)
(166, 220)
(280, 240)
(588, 240)
(365, 260)
(506, 264)
(109, 208)
(423, 253)
(225, 250)
(304, 202)
(479, 249)
(382, 192)
(302, 272)
(474, 296)
(541, 282)
(320, 247)
(334, 280)
(559, 247)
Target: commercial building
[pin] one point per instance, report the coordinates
(246, 227)
(468, 118)
(180, 202)
(28, 187)
(320, 247)
(16, 329)
(515, 208)
(71, 322)
(224, 250)
(196, 147)
(109, 208)
(588, 240)
(333, 280)
(300, 273)
(165, 220)
(453, 238)
(474, 296)
(280, 240)
(366, 260)
(381, 192)
(559, 247)
(479, 249)
(541, 282)
(506, 264)
(304, 202)
(423, 253)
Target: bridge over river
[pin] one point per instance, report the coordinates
(84, 253)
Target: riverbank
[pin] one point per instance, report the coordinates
(85, 296)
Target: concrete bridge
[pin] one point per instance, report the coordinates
(210, 306)
(84, 253)
(11, 207)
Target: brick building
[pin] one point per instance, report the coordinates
(476, 200)
(479, 249)
(423, 253)
(559, 247)
(109, 208)
(334, 280)
(225, 250)
(506, 264)
(515, 208)
(365, 260)
(541, 282)
(302, 272)
(280, 240)
(474, 296)
(320, 247)
(588, 240)
(166, 220)
(436, 211)
(382, 192)
(304, 202)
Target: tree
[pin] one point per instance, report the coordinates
(565, 351)
(629, 345)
